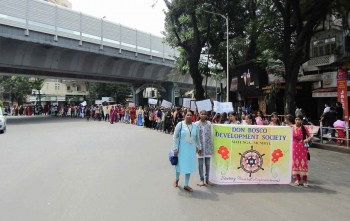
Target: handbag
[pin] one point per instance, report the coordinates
(172, 158)
(306, 145)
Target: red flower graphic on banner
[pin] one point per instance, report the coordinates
(276, 155)
(225, 157)
(274, 160)
(223, 151)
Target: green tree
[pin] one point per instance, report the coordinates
(288, 27)
(117, 91)
(37, 84)
(17, 87)
(192, 27)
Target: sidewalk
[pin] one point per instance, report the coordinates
(331, 147)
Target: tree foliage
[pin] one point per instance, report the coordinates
(17, 87)
(117, 91)
(288, 28)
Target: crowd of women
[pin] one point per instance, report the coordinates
(192, 140)
(192, 133)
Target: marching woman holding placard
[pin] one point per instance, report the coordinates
(186, 144)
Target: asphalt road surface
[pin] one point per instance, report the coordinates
(69, 169)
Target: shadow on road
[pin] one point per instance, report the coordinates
(24, 120)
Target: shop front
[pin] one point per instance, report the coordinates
(250, 78)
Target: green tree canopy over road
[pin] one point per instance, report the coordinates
(283, 28)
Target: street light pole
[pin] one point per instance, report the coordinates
(227, 58)
(227, 54)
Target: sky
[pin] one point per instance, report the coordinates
(137, 14)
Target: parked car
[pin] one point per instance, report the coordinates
(2, 121)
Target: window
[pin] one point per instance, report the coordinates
(328, 49)
(315, 52)
(320, 50)
(78, 88)
(57, 86)
(324, 47)
(68, 88)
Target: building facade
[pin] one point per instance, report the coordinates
(60, 91)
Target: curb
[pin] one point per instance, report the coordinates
(330, 147)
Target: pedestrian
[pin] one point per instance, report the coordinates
(232, 117)
(146, 117)
(329, 118)
(186, 144)
(243, 115)
(261, 119)
(274, 120)
(133, 115)
(127, 116)
(289, 120)
(140, 116)
(87, 113)
(205, 139)
(250, 119)
(168, 122)
(301, 138)
(223, 118)
(159, 117)
(106, 112)
(111, 115)
(339, 110)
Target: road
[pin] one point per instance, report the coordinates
(54, 168)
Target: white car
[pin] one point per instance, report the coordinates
(2, 121)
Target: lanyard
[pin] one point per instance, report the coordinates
(189, 130)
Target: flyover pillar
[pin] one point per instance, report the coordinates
(170, 92)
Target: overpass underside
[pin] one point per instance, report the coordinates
(38, 55)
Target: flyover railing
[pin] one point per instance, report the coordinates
(40, 16)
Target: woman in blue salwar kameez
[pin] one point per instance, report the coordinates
(186, 144)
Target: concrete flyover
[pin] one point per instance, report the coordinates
(71, 45)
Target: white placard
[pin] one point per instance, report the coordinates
(83, 104)
(193, 105)
(152, 101)
(131, 104)
(221, 107)
(187, 102)
(166, 104)
(98, 101)
(204, 105)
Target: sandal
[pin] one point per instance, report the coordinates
(176, 183)
(187, 188)
(201, 183)
(305, 184)
(209, 183)
(296, 183)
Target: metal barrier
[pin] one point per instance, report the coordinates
(58, 21)
(322, 135)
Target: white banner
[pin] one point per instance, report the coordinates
(152, 101)
(131, 104)
(166, 104)
(193, 105)
(187, 102)
(204, 105)
(221, 107)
